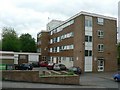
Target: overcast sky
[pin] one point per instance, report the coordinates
(31, 16)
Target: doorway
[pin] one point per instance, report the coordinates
(100, 65)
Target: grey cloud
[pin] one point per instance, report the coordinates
(32, 15)
(70, 7)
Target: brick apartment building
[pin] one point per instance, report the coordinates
(86, 40)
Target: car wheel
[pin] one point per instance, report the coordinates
(116, 79)
(16, 68)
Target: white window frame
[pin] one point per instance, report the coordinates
(89, 53)
(58, 49)
(51, 41)
(88, 38)
(58, 39)
(71, 46)
(100, 47)
(50, 49)
(100, 21)
(88, 23)
(100, 34)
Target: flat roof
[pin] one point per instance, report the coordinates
(11, 52)
(88, 14)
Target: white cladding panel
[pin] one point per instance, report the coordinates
(89, 33)
(15, 58)
(88, 45)
(88, 29)
(6, 57)
(88, 64)
(33, 58)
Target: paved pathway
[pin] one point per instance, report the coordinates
(104, 80)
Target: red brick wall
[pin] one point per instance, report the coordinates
(33, 76)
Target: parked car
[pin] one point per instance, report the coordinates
(59, 67)
(50, 66)
(43, 64)
(24, 66)
(76, 70)
(116, 77)
(35, 64)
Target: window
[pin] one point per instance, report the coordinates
(50, 49)
(51, 32)
(100, 33)
(100, 47)
(71, 46)
(100, 21)
(58, 49)
(71, 59)
(51, 41)
(64, 36)
(39, 50)
(68, 35)
(55, 49)
(88, 23)
(61, 58)
(88, 52)
(71, 34)
(67, 58)
(65, 47)
(60, 28)
(58, 39)
(88, 38)
(64, 58)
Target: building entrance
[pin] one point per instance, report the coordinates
(100, 65)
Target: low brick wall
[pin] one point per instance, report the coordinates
(20, 75)
(33, 76)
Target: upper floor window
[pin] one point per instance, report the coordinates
(59, 38)
(100, 33)
(100, 21)
(51, 49)
(88, 23)
(100, 47)
(58, 49)
(39, 50)
(88, 38)
(60, 28)
(88, 52)
(51, 41)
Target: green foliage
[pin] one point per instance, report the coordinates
(27, 43)
(70, 73)
(10, 41)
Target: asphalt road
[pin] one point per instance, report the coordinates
(103, 80)
(87, 80)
